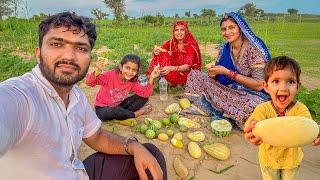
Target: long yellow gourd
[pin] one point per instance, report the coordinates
(287, 131)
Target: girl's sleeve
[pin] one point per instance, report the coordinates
(143, 91)
(93, 80)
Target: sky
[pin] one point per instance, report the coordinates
(138, 8)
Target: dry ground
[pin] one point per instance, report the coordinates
(243, 154)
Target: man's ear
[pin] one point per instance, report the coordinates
(38, 54)
(265, 86)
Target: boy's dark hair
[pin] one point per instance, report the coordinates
(134, 59)
(69, 20)
(280, 63)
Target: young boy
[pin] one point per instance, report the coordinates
(282, 81)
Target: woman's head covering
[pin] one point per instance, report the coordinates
(225, 58)
(188, 39)
(249, 34)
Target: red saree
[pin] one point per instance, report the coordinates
(189, 55)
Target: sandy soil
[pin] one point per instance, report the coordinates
(243, 154)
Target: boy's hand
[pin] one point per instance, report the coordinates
(249, 135)
(316, 142)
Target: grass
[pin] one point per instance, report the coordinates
(13, 65)
(300, 41)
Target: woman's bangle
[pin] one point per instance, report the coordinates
(232, 74)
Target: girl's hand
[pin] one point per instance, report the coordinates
(156, 72)
(166, 69)
(249, 135)
(216, 70)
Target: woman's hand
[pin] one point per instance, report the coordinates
(166, 69)
(216, 70)
(249, 135)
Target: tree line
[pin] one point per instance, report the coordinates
(10, 8)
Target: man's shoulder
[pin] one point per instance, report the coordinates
(22, 83)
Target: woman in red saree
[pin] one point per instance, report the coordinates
(177, 56)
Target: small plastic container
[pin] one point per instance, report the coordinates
(163, 86)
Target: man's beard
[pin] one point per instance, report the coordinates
(64, 79)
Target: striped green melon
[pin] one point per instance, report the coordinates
(287, 131)
(221, 127)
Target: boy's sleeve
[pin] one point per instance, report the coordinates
(303, 111)
(257, 115)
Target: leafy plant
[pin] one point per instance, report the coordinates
(311, 99)
(222, 170)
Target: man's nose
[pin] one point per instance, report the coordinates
(69, 53)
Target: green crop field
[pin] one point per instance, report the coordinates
(299, 40)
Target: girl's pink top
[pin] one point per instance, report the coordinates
(114, 90)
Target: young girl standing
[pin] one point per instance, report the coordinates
(112, 101)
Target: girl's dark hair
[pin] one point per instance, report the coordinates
(68, 20)
(280, 63)
(134, 59)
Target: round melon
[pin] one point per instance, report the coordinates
(287, 131)
(221, 127)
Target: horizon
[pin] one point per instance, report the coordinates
(139, 8)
